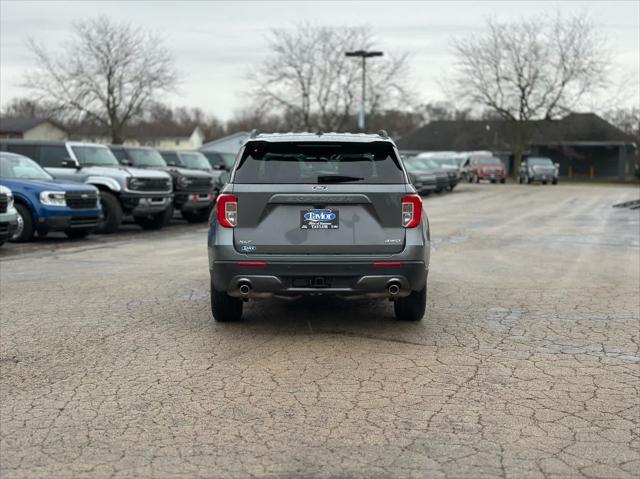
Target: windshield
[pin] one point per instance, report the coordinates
(446, 161)
(488, 161)
(21, 168)
(423, 164)
(323, 162)
(94, 155)
(144, 157)
(195, 160)
(540, 162)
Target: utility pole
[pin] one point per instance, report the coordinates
(364, 55)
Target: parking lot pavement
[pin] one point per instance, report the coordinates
(527, 364)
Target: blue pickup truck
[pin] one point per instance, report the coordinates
(44, 204)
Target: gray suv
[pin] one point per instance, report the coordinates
(319, 214)
(144, 194)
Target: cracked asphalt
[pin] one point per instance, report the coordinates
(526, 365)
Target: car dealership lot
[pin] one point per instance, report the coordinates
(527, 364)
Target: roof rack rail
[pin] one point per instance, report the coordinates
(383, 134)
(254, 133)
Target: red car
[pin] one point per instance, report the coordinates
(486, 168)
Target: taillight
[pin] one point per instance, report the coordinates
(411, 211)
(227, 210)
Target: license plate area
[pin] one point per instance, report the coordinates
(319, 219)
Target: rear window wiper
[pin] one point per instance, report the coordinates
(338, 178)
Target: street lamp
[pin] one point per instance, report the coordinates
(364, 55)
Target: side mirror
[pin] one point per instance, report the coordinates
(125, 162)
(557, 165)
(69, 163)
(219, 167)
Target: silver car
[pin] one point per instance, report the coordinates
(539, 169)
(319, 214)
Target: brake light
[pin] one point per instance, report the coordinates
(411, 211)
(227, 210)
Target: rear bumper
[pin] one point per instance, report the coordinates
(293, 279)
(543, 177)
(491, 176)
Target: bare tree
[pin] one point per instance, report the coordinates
(308, 80)
(27, 108)
(108, 73)
(532, 69)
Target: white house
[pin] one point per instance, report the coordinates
(163, 136)
(227, 144)
(31, 129)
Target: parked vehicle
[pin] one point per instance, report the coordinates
(447, 161)
(465, 158)
(540, 169)
(319, 214)
(143, 194)
(8, 214)
(192, 160)
(44, 204)
(192, 189)
(486, 168)
(425, 182)
(428, 168)
(219, 160)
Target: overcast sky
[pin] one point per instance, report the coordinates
(216, 44)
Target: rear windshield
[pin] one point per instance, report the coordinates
(540, 161)
(488, 161)
(297, 163)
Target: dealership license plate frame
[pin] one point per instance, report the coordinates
(319, 219)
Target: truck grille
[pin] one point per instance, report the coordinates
(81, 199)
(200, 182)
(4, 202)
(153, 184)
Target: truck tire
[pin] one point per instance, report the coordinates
(24, 231)
(555, 181)
(197, 216)
(224, 307)
(78, 233)
(503, 181)
(112, 212)
(413, 307)
(152, 222)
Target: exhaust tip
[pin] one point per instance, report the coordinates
(245, 289)
(393, 289)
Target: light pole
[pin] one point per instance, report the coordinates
(364, 55)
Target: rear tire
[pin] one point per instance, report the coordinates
(544, 182)
(477, 179)
(529, 180)
(503, 181)
(555, 181)
(413, 307)
(78, 233)
(25, 230)
(112, 212)
(224, 307)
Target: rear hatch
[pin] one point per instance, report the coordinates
(319, 198)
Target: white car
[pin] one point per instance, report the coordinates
(8, 214)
